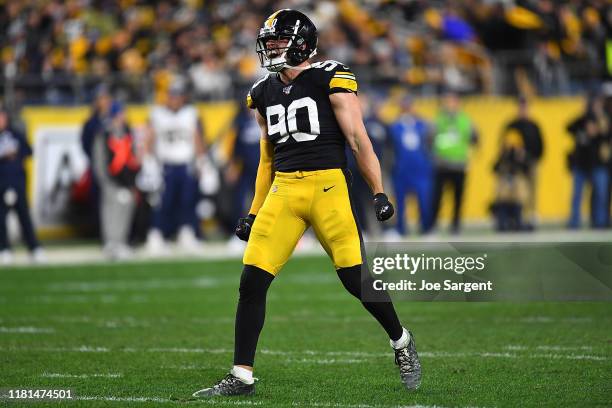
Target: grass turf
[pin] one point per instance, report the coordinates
(150, 334)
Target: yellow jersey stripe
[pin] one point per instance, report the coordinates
(344, 73)
(249, 100)
(350, 84)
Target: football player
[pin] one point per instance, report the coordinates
(306, 112)
(175, 140)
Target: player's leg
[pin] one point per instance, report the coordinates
(423, 191)
(274, 235)
(25, 220)
(5, 250)
(438, 191)
(334, 222)
(579, 181)
(162, 212)
(188, 228)
(458, 180)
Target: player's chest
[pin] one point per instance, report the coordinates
(294, 112)
(285, 95)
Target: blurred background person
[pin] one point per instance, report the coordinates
(93, 126)
(454, 133)
(530, 153)
(589, 162)
(362, 195)
(241, 170)
(175, 140)
(115, 165)
(14, 150)
(412, 172)
(512, 191)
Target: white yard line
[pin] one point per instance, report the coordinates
(94, 375)
(548, 348)
(245, 402)
(122, 399)
(352, 354)
(168, 400)
(341, 405)
(134, 285)
(26, 330)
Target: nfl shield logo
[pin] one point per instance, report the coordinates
(287, 89)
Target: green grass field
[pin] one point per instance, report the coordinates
(149, 334)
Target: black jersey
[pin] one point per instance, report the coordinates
(302, 126)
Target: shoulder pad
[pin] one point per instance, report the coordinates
(253, 95)
(337, 76)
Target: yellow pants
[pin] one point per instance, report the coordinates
(296, 201)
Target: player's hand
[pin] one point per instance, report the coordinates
(384, 208)
(243, 229)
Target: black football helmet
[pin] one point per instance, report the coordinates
(297, 29)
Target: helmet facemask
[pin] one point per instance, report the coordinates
(293, 53)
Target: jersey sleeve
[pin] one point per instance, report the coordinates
(253, 98)
(341, 79)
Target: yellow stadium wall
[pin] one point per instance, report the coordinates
(488, 114)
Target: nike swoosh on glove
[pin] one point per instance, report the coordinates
(384, 208)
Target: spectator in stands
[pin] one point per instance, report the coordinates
(14, 150)
(412, 165)
(453, 132)
(531, 136)
(175, 140)
(423, 43)
(362, 194)
(115, 165)
(589, 161)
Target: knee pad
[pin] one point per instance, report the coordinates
(254, 284)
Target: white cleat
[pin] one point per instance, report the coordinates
(235, 245)
(118, 252)
(156, 245)
(38, 256)
(188, 241)
(6, 257)
(391, 235)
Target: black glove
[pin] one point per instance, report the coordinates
(243, 229)
(384, 208)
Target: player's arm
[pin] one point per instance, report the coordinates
(200, 146)
(348, 114)
(263, 182)
(149, 138)
(265, 175)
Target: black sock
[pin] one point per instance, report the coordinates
(378, 302)
(254, 284)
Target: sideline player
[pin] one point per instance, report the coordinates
(175, 140)
(307, 112)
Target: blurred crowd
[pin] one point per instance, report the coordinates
(54, 51)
